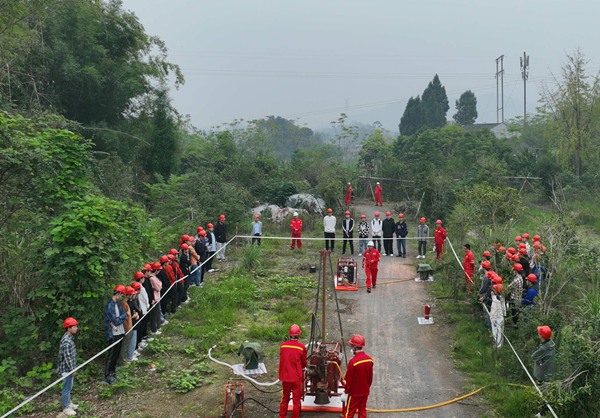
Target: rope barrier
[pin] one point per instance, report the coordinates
(287, 238)
(513, 349)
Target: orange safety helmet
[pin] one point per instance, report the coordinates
(120, 289)
(357, 340)
(295, 331)
(69, 322)
(522, 245)
(532, 278)
(130, 291)
(256, 216)
(545, 332)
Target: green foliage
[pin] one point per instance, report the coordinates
(411, 121)
(187, 380)
(427, 112)
(466, 109)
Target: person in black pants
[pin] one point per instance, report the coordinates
(114, 317)
(348, 228)
(388, 227)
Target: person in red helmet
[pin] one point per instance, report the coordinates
(200, 246)
(516, 292)
(67, 362)
(329, 222)
(422, 236)
(370, 263)
(377, 230)
(296, 227)
(185, 264)
(544, 356)
(358, 379)
(292, 361)
(378, 190)
(469, 268)
(221, 236)
(348, 230)
(348, 194)
(155, 315)
(439, 239)
(212, 247)
(363, 234)
(164, 275)
(497, 313)
(114, 318)
(401, 231)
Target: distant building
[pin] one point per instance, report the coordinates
(500, 130)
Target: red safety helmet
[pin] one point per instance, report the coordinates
(498, 288)
(147, 267)
(329, 210)
(209, 225)
(543, 248)
(522, 251)
(526, 235)
(130, 291)
(136, 286)
(171, 257)
(518, 238)
(347, 212)
(536, 245)
(199, 229)
(511, 250)
(185, 237)
(163, 259)
(516, 257)
(173, 251)
(536, 238)
(496, 279)
(522, 245)
(295, 331)
(120, 288)
(376, 214)
(501, 249)
(221, 217)
(518, 267)
(138, 275)
(388, 214)
(531, 278)
(423, 220)
(156, 266)
(69, 322)
(401, 215)
(486, 264)
(256, 216)
(487, 254)
(439, 221)
(184, 246)
(363, 216)
(545, 332)
(202, 233)
(357, 340)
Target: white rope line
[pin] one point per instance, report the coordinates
(459, 263)
(511, 346)
(243, 375)
(288, 237)
(157, 303)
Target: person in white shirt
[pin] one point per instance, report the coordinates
(377, 230)
(329, 228)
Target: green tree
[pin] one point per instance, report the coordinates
(573, 111)
(411, 121)
(434, 104)
(466, 109)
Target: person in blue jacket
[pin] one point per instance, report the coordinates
(114, 317)
(531, 293)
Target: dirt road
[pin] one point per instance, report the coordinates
(413, 366)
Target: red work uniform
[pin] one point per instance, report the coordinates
(359, 377)
(296, 227)
(370, 263)
(292, 361)
(348, 195)
(378, 201)
(440, 237)
(469, 266)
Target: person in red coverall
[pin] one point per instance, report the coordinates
(292, 361)
(359, 377)
(348, 195)
(378, 189)
(469, 267)
(370, 263)
(296, 227)
(440, 237)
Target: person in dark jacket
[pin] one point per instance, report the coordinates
(388, 228)
(544, 356)
(401, 233)
(221, 236)
(201, 247)
(212, 247)
(348, 229)
(67, 362)
(114, 318)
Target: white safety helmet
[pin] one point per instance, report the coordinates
(295, 213)
(377, 182)
(370, 244)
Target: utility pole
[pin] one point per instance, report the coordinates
(525, 75)
(500, 94)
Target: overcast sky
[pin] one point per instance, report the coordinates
(312, 60)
